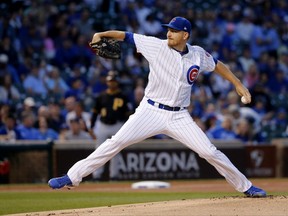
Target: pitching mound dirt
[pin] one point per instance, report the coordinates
(230, 206)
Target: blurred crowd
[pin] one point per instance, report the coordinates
(49, 77)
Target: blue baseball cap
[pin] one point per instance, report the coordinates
(180, 24)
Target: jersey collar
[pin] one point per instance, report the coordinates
(182, 52)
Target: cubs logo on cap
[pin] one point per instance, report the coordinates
(180, 24)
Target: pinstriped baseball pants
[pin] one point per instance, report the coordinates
(148, 121)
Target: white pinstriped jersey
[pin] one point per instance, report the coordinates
(171, 74)
(170, 79)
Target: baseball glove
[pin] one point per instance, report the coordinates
(107, 48)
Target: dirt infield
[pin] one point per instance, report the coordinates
(232, 206)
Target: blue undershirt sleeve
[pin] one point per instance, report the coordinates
(129, 38)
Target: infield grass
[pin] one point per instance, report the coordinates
(21, 202)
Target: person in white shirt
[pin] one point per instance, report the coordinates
(174, 67)
(79, 112)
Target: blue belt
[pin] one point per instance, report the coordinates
(163, 106)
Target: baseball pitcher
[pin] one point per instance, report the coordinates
(174, 66)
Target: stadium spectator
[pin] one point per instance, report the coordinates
(65, 54)
(278, 84)
(244, 28)
(7, 47)
(42, 111)
(31, 38)
(281, 8)
(245, 112)
(99, 85)
(230, 40)
(232, 98)
(33, 83)
(6, 68)
(283, 61)
(264, 39)
(141, 10)
(79, 113)
(5, 110)
(55, 119)
(46, 132)
(8, 92)
(26, 128)
(210, 121)
(224, 131)
(219, 86)
(244, 132)
(245, 59)
(49, 45)
(69, 104)
(94, 70)
(85, 23)
(76, 90)
(28, 106)
(151, 25)
(84, 53)
(78, 72)
(75, 132)
(130, 13)
(55, 84)
(138, 92)
(260, 108)
(281, 119)
(252, 76)
(9, 131)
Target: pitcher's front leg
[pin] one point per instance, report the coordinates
(146, 122)
(94, 161)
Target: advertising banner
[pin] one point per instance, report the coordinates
(261, 161)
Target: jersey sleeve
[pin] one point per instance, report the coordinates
(129, 38)
(208, 63)
(148, 46)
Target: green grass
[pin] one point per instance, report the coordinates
(23, 202)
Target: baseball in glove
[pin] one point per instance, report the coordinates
(107, 48)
